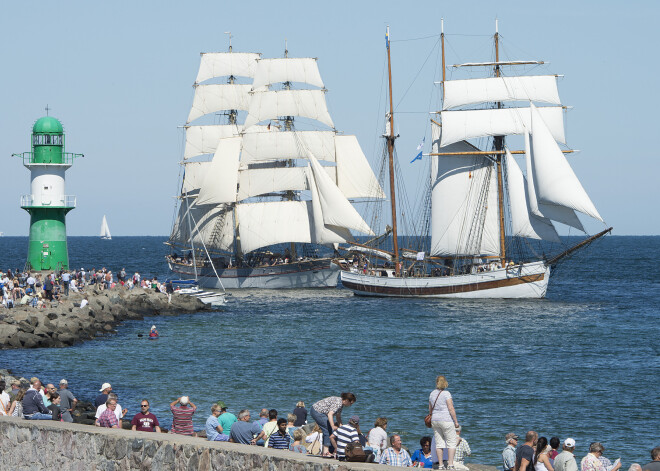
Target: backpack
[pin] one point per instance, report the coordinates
(355, 452)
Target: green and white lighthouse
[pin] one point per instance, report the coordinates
(48, 203)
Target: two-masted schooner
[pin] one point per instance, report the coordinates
(274, 196)
(482, 205)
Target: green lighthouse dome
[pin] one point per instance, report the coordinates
(47, 125)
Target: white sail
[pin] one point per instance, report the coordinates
(523, 222)
(539, 88)
(354, 177)
(463, 203)
(295, 69)
(320, 232)
(218, 97)
(337, 210)
(194, 176)
(554, 180)
(469, 124)
(556, 213)
(273, 222)
(105, 230)
(211, 225)
(272, 104)
(353, 174)
(261, 181)
(265, 146)
(202, 140)
(219, 185)
(225, 64)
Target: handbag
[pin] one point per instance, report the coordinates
(427, 419)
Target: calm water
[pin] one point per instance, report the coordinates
(582, 363)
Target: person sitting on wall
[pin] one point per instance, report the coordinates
(145, 421)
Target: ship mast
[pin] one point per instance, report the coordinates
(390, 150)
(499, 147)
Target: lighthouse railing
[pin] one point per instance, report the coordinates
(66, 201)
(28, 158)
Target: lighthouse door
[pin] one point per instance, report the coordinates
(45, 259)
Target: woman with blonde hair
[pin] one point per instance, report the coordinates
(443, 420)
(301, 414)
(377, 438)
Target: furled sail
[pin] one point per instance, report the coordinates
(226, 64)
(273, 222)
(202, 140)
(539, 88)
(554, 180)
(463, 203)
(272, 104)
(217, 97)
(337, 210)
(468, 124)
(219, 185)
(556, 213)
(523, 222)
(293, 69)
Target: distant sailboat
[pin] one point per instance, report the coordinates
(105, 230)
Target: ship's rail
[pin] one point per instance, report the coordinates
(66, 201)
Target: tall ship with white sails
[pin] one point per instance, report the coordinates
(483, 210)
(267, 194)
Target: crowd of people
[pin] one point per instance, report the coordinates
(46, 289)
(329, 436)
(539, 454)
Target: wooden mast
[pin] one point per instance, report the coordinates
(390, 149)
(499, 147)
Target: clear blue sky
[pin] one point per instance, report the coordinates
(119, 74)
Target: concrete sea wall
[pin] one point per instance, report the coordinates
(37, 445)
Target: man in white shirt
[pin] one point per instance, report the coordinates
(565, 461)
(119, 412)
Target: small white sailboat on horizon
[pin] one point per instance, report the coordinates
(105, 230)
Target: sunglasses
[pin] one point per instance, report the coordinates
(144, 405)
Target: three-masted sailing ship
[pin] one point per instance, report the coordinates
(275, 196)
(482, 205)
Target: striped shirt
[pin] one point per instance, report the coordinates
(329, 404)
(344, 435)
(182, 420)
(279, 441)
(392, 458)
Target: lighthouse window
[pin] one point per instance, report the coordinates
(47, 140)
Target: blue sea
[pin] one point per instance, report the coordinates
(582, 363)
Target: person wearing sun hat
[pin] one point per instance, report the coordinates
(103, 397)
(509, 453)
(565, 461)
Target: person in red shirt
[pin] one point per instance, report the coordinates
(145, 421)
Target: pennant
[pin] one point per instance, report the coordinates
(420, 148)
(417, 157)
(387, 39)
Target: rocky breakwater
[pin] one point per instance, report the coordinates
(65, 323)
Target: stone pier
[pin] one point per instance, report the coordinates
(49, 445)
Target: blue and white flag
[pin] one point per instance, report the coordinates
(420, 148)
